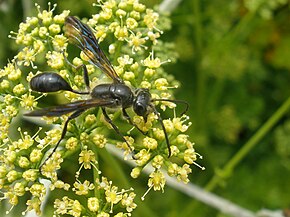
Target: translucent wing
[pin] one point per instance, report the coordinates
(82, 36)
(60, 110)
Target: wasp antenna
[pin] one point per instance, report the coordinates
(163, 128)
(174, 101)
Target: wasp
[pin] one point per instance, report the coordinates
(103, 96)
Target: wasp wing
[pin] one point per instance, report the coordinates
(82, 36)
(60, 110)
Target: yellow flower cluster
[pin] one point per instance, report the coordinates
(136, 32)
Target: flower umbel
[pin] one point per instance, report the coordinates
(132, 33)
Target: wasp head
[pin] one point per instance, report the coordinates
(142, 103)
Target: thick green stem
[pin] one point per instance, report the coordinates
(252, 142)
(201, 78)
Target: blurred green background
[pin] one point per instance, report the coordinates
(234, 70)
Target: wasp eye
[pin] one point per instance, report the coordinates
(140, 109)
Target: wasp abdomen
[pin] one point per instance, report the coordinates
(49, 82)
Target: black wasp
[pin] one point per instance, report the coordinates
(109, 95)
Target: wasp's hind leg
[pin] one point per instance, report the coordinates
(72, 116)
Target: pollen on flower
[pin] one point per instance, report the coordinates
(151, 18)
(183, 173)
(33, 204)
(43, 32)
(161, 84)
(145, 84)
(169, 126)
(137, 42)
(128, 201)
(12, 175)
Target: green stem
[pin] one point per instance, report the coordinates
(96, 174)
(201, 78)
(117, 51)
(252, 142)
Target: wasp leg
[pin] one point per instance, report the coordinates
(109, 120)
(85, 71)
(163, 128)
(125, 114)
(72, 116)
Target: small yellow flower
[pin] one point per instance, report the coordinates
(136, 172)
(142, 157)
(83, 188)
(59, 42)
(23, 162)
(128, 201)
(183, 173)
(87, 157)
(37, 190)
(35, 155)
(150, 143)
(151, 18)
(30, 175)
(190, 156)
(157, 180)
(55, 59)
(113, 197)
(34, 204)
(93, 204)
(99, 140)
(54, 29)
(71, 143)
(19, 89)
(157, 161)
(12, 176)
(121, 33)
(28, 101)
(19, 189)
